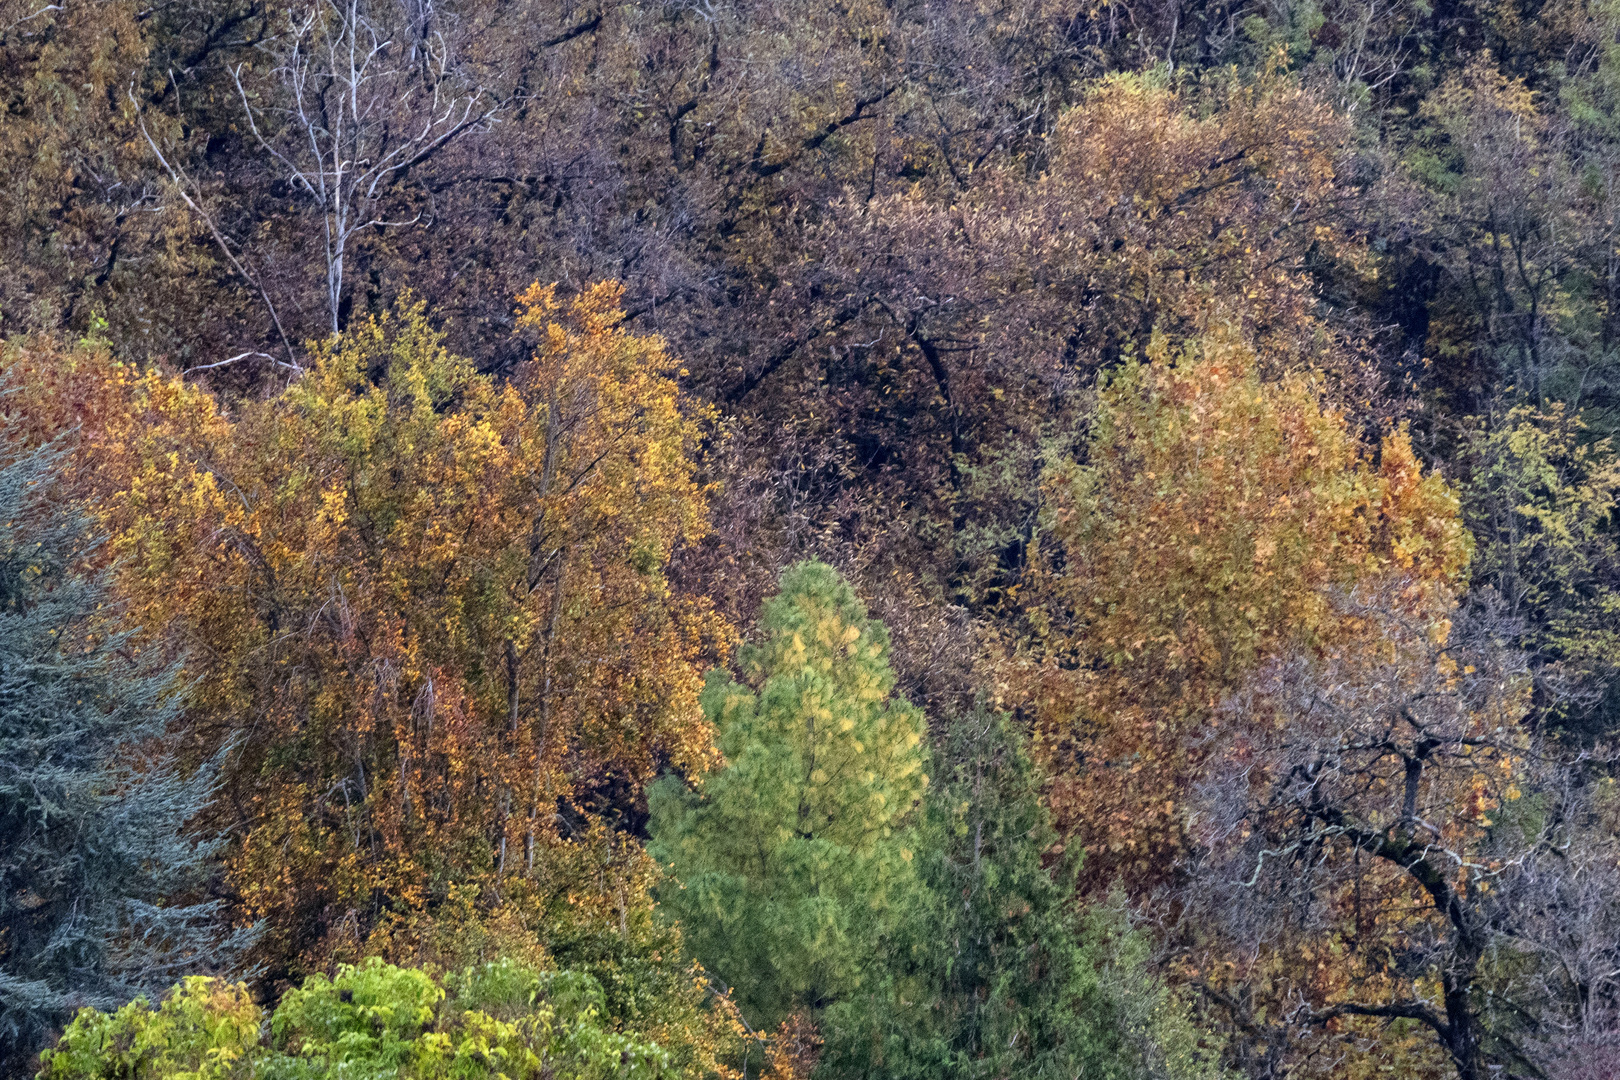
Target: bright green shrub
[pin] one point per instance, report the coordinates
(206, 1029)
(371, 1022)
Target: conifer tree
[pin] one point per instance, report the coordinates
(1015, 987)
(93, 854)
(1002, 971)
(796, 860)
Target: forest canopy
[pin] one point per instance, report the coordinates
(938, 538)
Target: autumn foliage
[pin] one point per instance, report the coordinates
(1210, 526)
(425, 611)
(1021, 538)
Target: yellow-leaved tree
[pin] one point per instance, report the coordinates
(427, 611)
(1220, 526)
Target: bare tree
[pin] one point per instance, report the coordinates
(372, 90)
(1385, 810)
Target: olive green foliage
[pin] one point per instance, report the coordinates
(375, 1020)
(796, 861)
(1541, 503)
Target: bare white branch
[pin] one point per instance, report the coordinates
(370, 90)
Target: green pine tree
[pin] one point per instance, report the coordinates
(93, 855)
(1000, 971)
(796, 861)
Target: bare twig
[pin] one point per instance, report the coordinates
(181, 182)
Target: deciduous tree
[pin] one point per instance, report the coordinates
(1540, 501)
(1210, 523)
(427, 609)
(1400, 872)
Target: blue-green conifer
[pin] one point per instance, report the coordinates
(102, 895)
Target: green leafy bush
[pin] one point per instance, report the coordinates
(206, 1029)
(372, 1021)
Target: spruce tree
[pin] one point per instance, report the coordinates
(93, 859)
(796, 860)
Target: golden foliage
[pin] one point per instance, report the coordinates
(425, 610)
(1209, 528)
(794, 1049)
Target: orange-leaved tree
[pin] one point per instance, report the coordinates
(1214, 519)
(425, 607)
